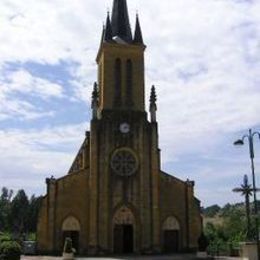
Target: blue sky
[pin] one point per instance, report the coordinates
(203, 56)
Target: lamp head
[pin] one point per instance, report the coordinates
(239, 142)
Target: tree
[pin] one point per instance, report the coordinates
(5, 202)
(34, 207)
(18, 215)
(226, 236)
(235, 226)
(211, 211)
(19, 212)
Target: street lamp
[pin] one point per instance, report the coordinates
(250, 138)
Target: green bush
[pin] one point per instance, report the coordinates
(10, 250)
(5, 237)
(31, 237)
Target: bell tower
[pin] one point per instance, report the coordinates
(120, 62)
(124, 154)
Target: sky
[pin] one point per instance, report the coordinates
(203, 56)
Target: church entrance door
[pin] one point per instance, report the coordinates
(71, 228)
(123, 239)
(74, 235)
(171, 241)
(171, 235)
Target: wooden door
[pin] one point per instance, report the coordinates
(128, 239)
(123, 239)
(171, 241)
(118, 239)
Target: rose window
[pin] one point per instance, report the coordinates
(124, 162)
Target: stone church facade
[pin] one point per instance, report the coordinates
(115, 198)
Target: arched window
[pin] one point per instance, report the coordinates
(129, 83)
(118, 81)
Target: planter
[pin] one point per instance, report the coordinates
(68, 256)
(202, 254)
(248, 251)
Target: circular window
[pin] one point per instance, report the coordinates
(124, 162)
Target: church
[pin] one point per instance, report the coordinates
(115, 198)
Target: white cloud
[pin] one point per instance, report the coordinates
(22, 82)
(30, 156)
(203, 56)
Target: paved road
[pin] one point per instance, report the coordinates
(169, 257)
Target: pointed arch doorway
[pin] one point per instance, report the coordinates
(71, 229)
(171, 235)
(123, 231)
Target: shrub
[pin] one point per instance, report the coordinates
(203, 242)
(5, 237)
(31, 237)
(10, 250)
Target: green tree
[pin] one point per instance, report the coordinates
(211, 211)
(235, 225)
(19, 212)
(33, 211)
(5, 203)
(226, 236)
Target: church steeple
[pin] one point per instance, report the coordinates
(138, 38)
(120, 62)
(120, 21)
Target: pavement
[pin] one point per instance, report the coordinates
(164, 257)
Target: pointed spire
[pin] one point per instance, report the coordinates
(120, 21)
(138, 38)
(108, 29)
(103, 34)
(153, 106)
(153, 97)
(94, 104)
(95, 92)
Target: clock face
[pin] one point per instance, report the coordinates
(124, 162)
(124, 128)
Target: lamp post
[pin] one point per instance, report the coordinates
(250, 138)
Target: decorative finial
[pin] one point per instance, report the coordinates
(108, 29)
(153, 97)
(94, 104)
(138, 37)
(153, 106)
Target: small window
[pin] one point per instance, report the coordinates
(118, 73)
(129, 83)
